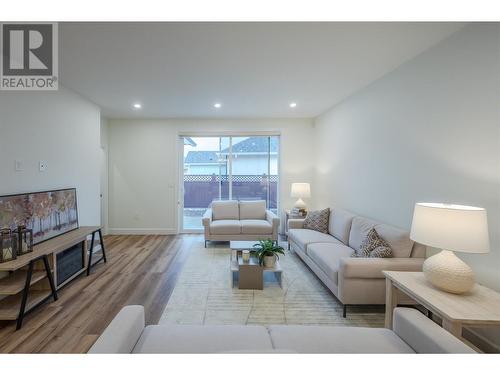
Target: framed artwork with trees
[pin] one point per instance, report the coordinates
(48, 213)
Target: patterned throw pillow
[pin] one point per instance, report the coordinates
(373, 246)
(381, 252)
(317, 220)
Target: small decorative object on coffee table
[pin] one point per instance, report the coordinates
(251, 274)
(267, 251)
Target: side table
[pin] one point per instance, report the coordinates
(288, 215)
(479, 307)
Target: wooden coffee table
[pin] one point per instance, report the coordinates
(250, 275)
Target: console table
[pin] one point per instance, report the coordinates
(33, 278)
(91, 263)
(479, 307)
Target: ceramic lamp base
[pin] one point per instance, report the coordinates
(300, 204)
(448, 272)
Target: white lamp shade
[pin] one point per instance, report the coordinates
(301, 190)
(451, 227)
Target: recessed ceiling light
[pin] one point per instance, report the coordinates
(217, 105)
(137, 105)
(293, 105)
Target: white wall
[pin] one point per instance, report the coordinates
(59, 128)
(144, 169)
(103, 168)
(429, 131)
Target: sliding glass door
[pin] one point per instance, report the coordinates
(221, 168)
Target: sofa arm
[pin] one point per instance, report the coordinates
(423, 335)
(122, 333)
(295, 223)
(207, 218)
(273, 220)
(371, 268)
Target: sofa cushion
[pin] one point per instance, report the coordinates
(304, 237)
(359, 230)
(398, 239)
(372, 268)
(225, 227)
(320, 339)
(418, 250)
(317, 220)
(203, 339)
(225, 210)
(340, 223)
(253, 210)
(256, 227)
(327, 256)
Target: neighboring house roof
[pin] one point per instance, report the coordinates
(201, 157)
(254, 144)
(249, 145)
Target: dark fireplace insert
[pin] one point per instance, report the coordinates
(69, 262)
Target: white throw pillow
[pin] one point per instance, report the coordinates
(225, 210)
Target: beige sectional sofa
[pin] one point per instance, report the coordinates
(412, 333)
(354, 281)
(239, 220)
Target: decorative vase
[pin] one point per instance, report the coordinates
(269, 261)
(448, 272)
(245, 255)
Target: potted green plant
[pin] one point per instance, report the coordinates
(267, 252)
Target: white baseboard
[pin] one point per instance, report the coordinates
(142, 231)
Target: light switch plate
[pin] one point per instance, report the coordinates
(42, 166)
(18, 165)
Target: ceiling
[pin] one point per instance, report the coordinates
(255, 70)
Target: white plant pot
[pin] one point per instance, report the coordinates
(269, 261)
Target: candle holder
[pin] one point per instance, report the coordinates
(8, 245)
(25, 240)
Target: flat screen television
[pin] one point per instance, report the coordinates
(48, 213)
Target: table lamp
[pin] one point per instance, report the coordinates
(300, 190)
(450, 227)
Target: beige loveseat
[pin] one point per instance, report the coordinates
(412, 333)
(354, 281)
(239, 220)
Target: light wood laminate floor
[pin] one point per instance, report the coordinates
(140, 270)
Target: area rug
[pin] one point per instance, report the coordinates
(204, 295)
